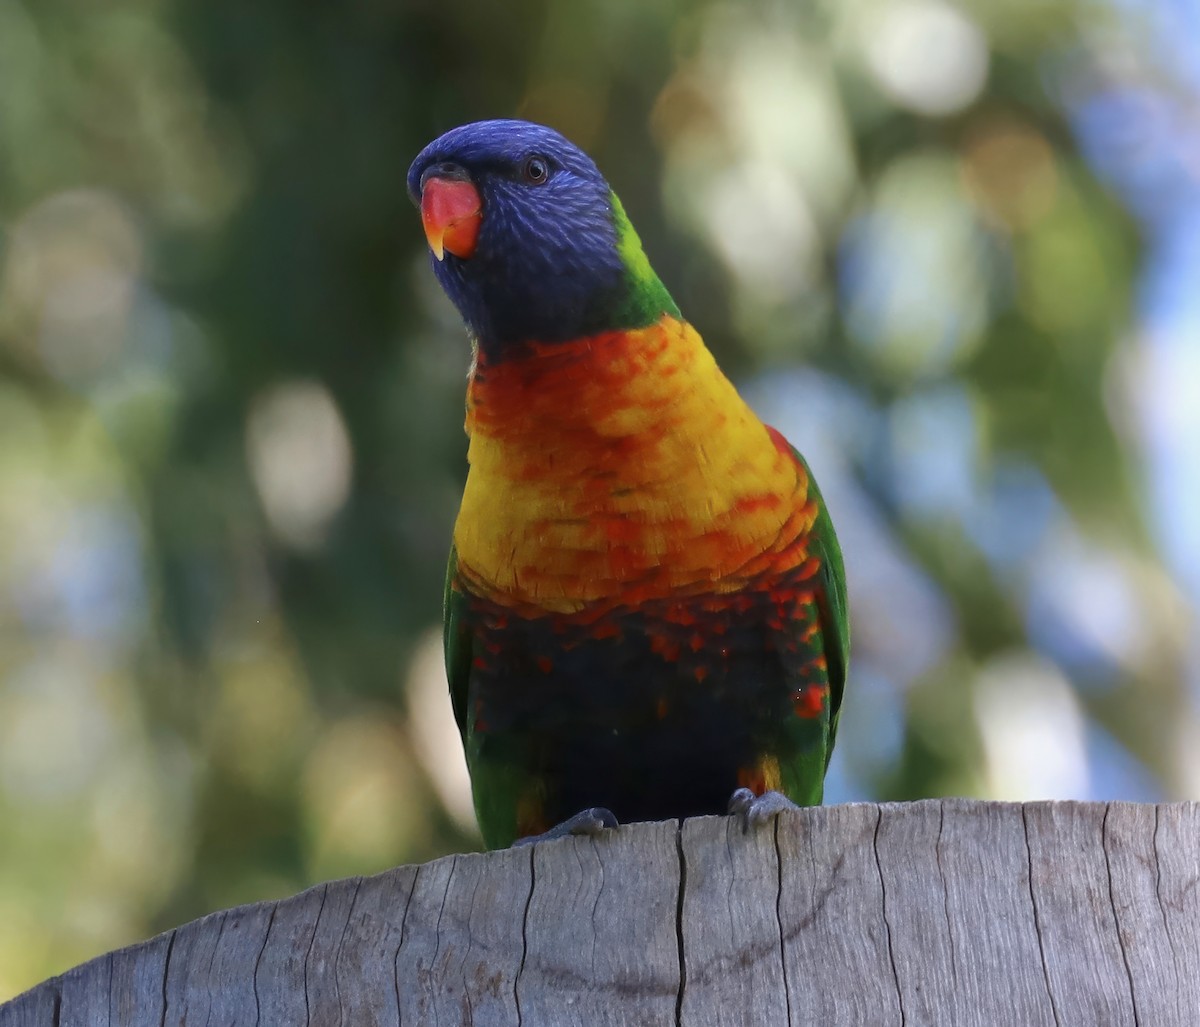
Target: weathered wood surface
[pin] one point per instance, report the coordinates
(948, 913)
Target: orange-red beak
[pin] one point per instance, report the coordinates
(451, 211)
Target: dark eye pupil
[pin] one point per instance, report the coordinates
(535, 170)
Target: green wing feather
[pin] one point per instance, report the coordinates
(832, 600)
(456, 643)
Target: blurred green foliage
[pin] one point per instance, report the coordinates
(231, 408)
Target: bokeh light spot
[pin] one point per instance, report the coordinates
(301, 459)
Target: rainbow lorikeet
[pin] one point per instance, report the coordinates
(645, 606)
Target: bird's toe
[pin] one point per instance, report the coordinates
(754, 810)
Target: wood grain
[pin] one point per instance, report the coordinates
(937, 912)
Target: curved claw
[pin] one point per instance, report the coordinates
(589, 821)
(754, 810)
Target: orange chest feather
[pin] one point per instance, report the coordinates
(622, 467)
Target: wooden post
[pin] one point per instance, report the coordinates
(938, 912)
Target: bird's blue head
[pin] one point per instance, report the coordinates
(527, 238)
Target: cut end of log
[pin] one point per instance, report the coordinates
(935, 912)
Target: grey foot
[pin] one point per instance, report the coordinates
(589, 821)
(754, 810)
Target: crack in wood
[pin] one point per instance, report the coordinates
(787, 991)
(679, 933)
(308, 953)
(1037, 926)
(257, 963)
(1162, 909)
(162, 1020)
(479, 978)
(596, 901)
(337, 953)
(524, 935)
(109, 960)
(937, 855)
(1112, 902)
(400, 946)
(887, 926)
(429, 974)
(212, 956)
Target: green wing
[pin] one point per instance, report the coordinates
(456, 642)
(832, 601)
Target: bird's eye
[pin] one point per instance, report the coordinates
(535, 170)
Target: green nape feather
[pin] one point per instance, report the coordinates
(647, 299)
